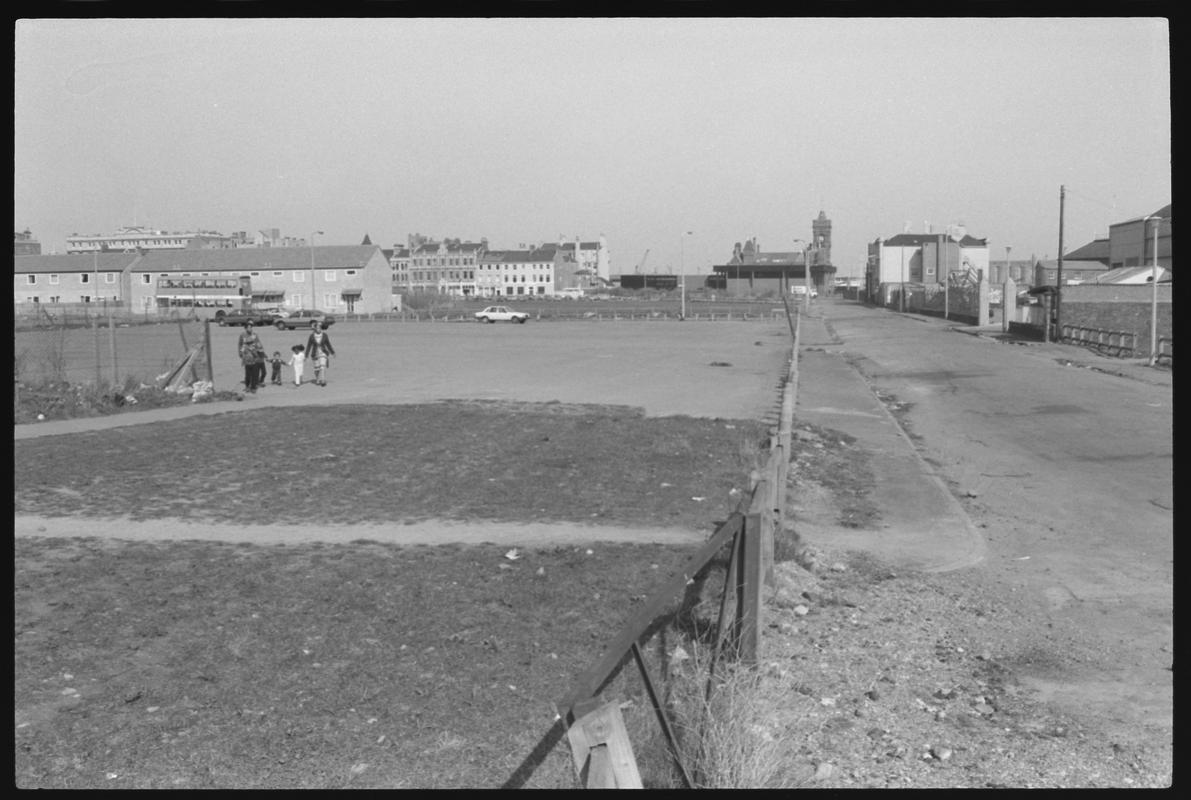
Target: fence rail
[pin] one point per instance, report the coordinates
(601, 752)
(1115, 343)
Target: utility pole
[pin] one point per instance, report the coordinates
(1059, 279)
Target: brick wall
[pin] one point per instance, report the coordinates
(1116, 307)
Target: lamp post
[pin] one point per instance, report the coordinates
(1154, 294)
(803, 245)
(1005, 277)
(313, 296)
(682, 273)
(901, 296)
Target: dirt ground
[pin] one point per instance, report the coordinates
(893, 678)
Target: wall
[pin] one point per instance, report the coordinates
(1116, 307)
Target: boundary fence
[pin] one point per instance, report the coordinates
(1114, 343)
(600, 748)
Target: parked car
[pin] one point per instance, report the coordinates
(570, 294)
(501, 314)
(237, 317)
(799, 290)
(301, 319)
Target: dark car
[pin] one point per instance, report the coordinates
(235, 318)
(300, 319)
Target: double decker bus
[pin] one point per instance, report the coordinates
(183, 292)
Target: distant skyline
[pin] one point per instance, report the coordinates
(639, 129)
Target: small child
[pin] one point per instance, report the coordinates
(298, 361)
(276, 361)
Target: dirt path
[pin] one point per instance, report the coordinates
(527, 534)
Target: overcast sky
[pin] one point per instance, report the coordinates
(522, 130)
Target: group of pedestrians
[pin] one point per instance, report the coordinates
(251, 350)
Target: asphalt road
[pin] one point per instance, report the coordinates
(1066, 471)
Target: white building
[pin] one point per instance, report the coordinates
(131, 239)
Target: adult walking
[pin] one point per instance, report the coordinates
(319, 351)
(252, 356)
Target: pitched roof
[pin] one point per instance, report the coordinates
(1131, 275)
(236, 259)
(918, 239)
(74, 262)
(1095, 250)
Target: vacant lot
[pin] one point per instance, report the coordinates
(207, 664)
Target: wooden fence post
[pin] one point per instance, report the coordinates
(601, 750)
(749, 583)
(207, 344)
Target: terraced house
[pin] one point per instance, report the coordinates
(342, 279)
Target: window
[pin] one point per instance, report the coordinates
(31, 280)
(84, 277)
(329, 275)
(277, 274)
(330, 299)
(351, 272)
(299, 276)
(109, 277)
(146, 279)
(254, 274)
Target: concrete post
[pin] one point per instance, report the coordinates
(1008, 303)
(982, 300)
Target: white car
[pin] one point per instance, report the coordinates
(501, 314)
(799, 290)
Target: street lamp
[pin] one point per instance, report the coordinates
(1154, 288)
(806, 276)
(313, 296)
(901, 296)
(682, 273)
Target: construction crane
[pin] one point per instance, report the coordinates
(641, 264)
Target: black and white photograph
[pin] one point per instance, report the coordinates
(593, 402)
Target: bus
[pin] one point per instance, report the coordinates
(216, 293)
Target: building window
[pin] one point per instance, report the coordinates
(31, 280)
(254, 274)
(351, 272)
(84, 277)
(329, 275)
(146, 279)
(109, 277)
(277, 274)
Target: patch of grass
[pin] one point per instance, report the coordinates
(212, 665)
(59, 399)
(204, 665)
(376, 464)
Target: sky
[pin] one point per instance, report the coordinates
(676, 136)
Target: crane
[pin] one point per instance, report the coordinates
(641, 264)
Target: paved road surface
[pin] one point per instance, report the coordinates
(1064, 467)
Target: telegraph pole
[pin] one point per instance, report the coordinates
(1059, 279)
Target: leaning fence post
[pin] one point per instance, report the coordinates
(207, 343)
(748, 587)
(601, 750)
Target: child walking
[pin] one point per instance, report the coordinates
(275, 360)
(297, 361)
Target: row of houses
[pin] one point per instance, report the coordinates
(1127, 254)
(471, 269)
(144, 272)
(333, 278)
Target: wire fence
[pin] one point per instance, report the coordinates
(104, 350)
